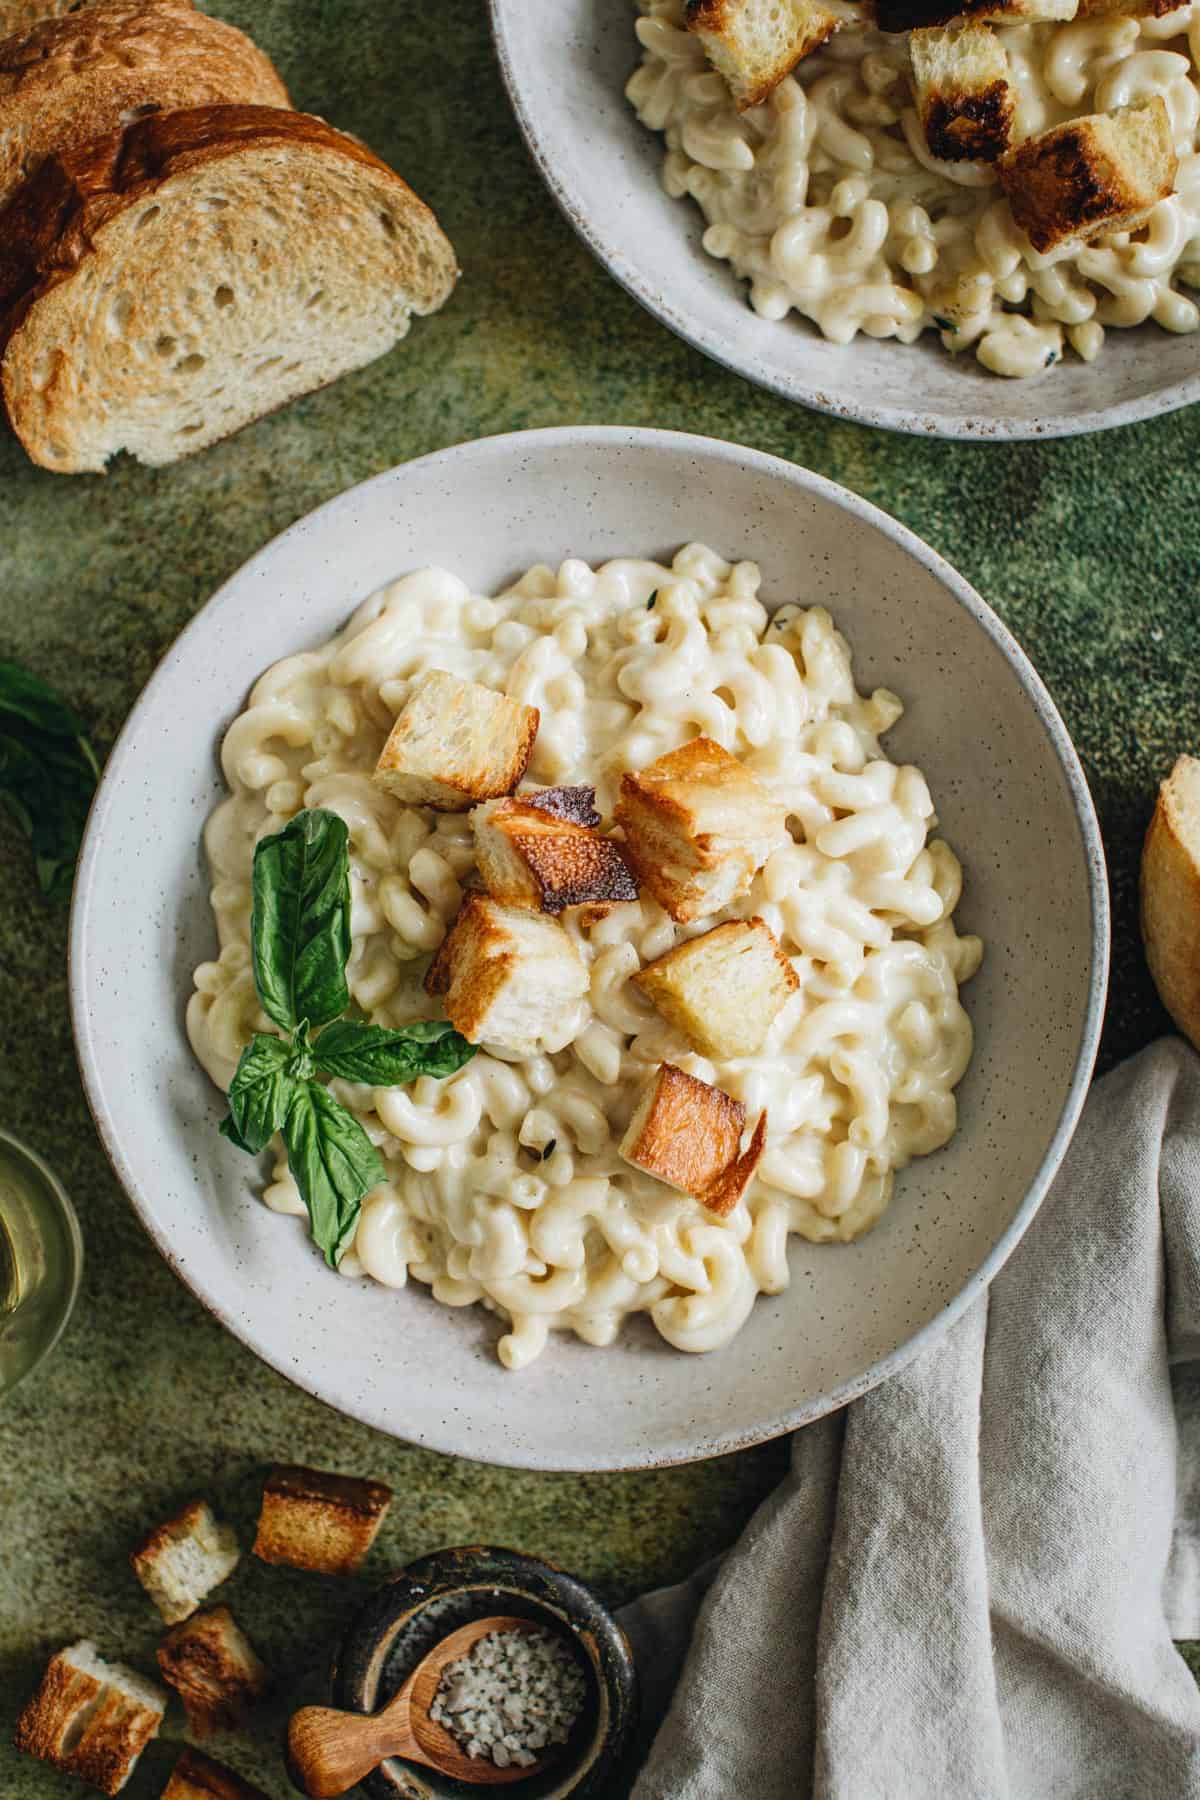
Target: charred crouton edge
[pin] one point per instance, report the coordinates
(964, 101)
(199, 1777)
(531, 855)
(508, 976)
(456, 743)
(723, 989)
(180, 1562)
(686, 1133)
(1101, 173)
(913, 15)
(698, 826)
(90, 1718)
(316, 1521)
(213, 1668)
(754, 44)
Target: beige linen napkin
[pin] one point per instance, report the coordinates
(968, 1584)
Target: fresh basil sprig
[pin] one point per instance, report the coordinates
(48, 774)
(300, 945)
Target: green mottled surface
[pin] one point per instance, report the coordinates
(1090, 550)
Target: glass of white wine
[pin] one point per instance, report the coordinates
(41, 1260)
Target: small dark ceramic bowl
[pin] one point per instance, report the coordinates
(433, 1597)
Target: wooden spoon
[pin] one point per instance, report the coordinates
(329, 1751)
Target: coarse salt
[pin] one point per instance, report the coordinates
(512, 1696)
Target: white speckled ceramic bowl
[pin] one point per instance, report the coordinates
(566, 63)
(1011, 798)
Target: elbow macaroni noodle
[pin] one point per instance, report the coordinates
(827, 200)
(504, 1182)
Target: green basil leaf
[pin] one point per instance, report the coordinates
(300, 920)
(261, 1092)
(229, 1130)
(382, 1058)
(26, 696)
(333, 1162)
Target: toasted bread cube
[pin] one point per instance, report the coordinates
(91, 1718)
(325, 1523)
(723, 989)
(456, 743)
(913, 15)
(1130, 9)
(529, 855)
(181, 1562)
(964, 101)
(213, 1668)
(508, 977)
(1105, 172)
(698, 825)
(686, 1133)
(755, 43)
(200, 1777)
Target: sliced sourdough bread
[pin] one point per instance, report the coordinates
(19, 15)
(72, 79)
(165, 285)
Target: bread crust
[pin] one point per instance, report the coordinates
(530, 856)
(1170, 896)
(79, 77)
(724, 988)
(213, 1669)
(19, 15)
(51, 224)
(714, 20)
(966, 127)
(1065, 183)
(199, 1777)
(688, 1134)
(313, 1520)
(113, 1735)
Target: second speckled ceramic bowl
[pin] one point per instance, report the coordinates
(1010, 796)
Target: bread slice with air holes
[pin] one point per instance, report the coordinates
(964, 100)
(1105, 172)
(163, 286)
(72, 79)
(754, 44)
(90, 1718)
(1170, 896)
(183, 1560)
(213, 1668)
(199, 1777)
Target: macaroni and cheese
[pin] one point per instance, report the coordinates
(826, 199)
(505, 1184)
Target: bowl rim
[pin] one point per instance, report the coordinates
(597, 438)
(926, 423)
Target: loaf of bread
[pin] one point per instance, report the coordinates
(1171, 896)
(19, 15)
(164, 285)
(71, 79)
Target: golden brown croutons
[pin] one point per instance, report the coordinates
(200, 1777)
(311, 1520)
(456, 743)
(213, 1668)
(181, 1562)
(1102, 173)
(686, 1133)
(508, 977)
(912, 15)
(964, 100)
(532, 855)
(755, 43)
(698, 825)
(90, 1718)
(723, 989)
(1171, 896)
